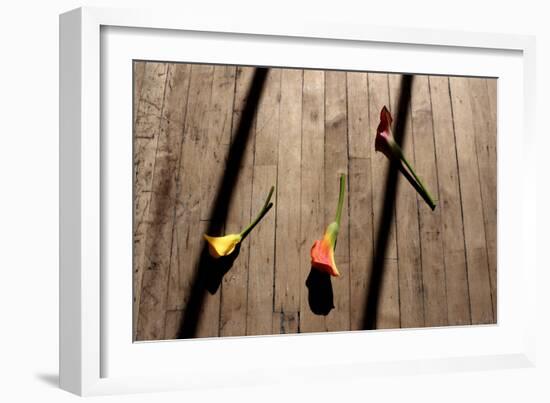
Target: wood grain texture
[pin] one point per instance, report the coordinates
(458, 306)
(156, 263)
(287, 208)
(138, 69)
(492, 238)
(358, 116)
(361, 238)
(388, 315)
(431, 243)
(262, 240)
(336, 164)
(146, 133)
(218, 136)
(312, 215)
(485, 139)
(305, 128)
(472, 208)
(234, 287)
(411, 301)
(259, 318)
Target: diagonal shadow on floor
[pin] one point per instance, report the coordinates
(209, 272)
(377, 270)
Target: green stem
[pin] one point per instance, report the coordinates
(262, 213)
(340, 199)
(428, 195)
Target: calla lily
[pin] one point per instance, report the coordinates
(386, 143)
(322, 251)
(222, 245)
(225, 245)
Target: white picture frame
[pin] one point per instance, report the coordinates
(97, 355)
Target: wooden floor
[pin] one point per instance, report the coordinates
(308, 127)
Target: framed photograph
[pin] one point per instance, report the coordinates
(249, 202)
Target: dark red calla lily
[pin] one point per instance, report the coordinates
(386, 144)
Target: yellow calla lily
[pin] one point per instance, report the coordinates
(222, 245)
(219, 246)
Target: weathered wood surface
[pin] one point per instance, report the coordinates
(307, 128)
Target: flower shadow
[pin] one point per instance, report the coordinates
(320, 294)
(216, 269)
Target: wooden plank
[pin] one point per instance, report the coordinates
(388, 310)
(286, 322)
(388, 316)
(267, 122)
(452, 230)
(259, 318)
(360, 196)
(492, 247)
(312, 225)
(336, 164)
(486, 148)
(492, 84)
(287, 241)
(139, 75)
(172, 324)
(361, 237)
(474, 231)
(209, 315)
(208, 318)
(378, 97)
(146, 134)
(214, 151)
(158, 240)
(492, 93)
(234, 284)
(358, 116)
(244, 77)
(433, 262)
(220, 114)
(262, 239)
(187, 238)
(234, 288)
(411, 294)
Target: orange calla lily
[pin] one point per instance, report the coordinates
(322, 251)
(225, 245)
(386, 143)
